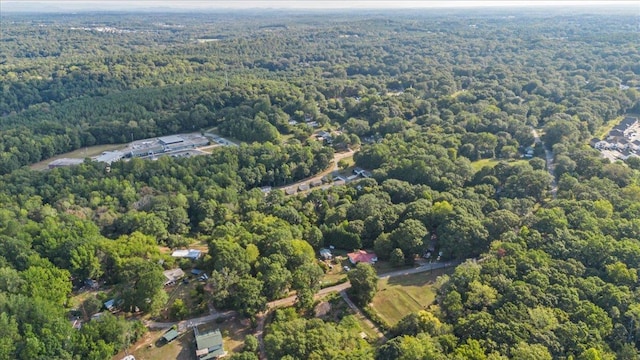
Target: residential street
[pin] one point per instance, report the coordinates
(331, 168)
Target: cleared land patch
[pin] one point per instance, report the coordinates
(82, 153)
(479, 164)
(402, 295)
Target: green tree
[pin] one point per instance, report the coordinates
(364, 283)
(409, 237)
(526, 351)
(178, 309)
(141, 285)
(397, 257)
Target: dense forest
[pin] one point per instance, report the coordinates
(439, 106)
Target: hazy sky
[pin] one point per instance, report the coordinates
(285, 4)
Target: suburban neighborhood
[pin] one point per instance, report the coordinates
(622, 142)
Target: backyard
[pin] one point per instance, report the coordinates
(149, 347)
(402, 295)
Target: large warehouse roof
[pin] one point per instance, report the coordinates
(171, 139)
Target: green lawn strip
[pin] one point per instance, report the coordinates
(402, 295)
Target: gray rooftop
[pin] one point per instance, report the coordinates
(171, 139)
(109, 156)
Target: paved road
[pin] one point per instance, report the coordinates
(333, 167)
(190, 322)
(548, 154)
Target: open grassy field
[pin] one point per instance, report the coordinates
(79, 154)
(402, 295)
(479, 164)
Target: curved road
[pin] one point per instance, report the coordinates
(331, 168)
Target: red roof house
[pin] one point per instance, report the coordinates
(362, 256)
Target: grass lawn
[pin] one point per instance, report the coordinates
(334, 275)
(606, 127)
(479, 164)
(148, 348)
(79, 154)
(383, 267)
(350, 162)
(402, 295)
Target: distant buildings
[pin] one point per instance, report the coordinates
(622, 138)
(165, 145)
(109, 157)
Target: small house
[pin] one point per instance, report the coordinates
(173, 275)
(362, 256)
(325, 254)
(324, 136)
(192, 254)
(209, 345)
(110, 305)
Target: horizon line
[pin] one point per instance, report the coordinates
(36, 6)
